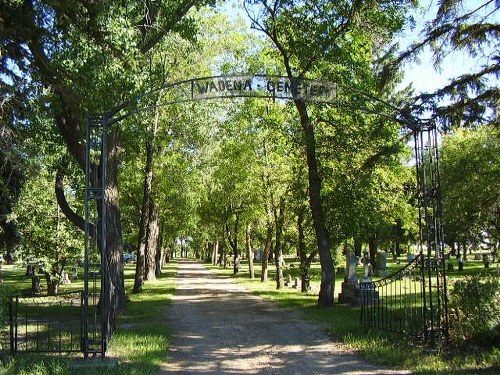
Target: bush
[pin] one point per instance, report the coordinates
(475, 307)
(4, 312)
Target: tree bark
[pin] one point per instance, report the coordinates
(305, 260)
(372, 248)
(327, 285)
(233, 242)
(358, 247)
(279, 220)
(267, 250)
(140, 268)
(248, 243)
(215, 253)
(152, 240)
(114, 245)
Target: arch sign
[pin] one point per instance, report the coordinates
(263, 87)
(232, 86)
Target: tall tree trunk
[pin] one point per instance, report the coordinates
(305, 261)
(267, 250)
(114, 245)
(322, 236)
(140, 265)
(358, 247)
(152, 240)
(372, 248)
(233, 242)
(215, 253)
(279, 220)
(248, 243)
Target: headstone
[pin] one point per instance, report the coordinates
(65, 278)
(367, 268)
(288, 281)
(460, 264)
(381, 264)
(351, 263)
(350, 286)
(410, 257)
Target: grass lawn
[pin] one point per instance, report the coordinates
(140, 342)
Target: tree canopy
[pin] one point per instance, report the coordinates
(240, 176)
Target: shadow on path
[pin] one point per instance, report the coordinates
(220, 328)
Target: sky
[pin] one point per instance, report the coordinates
(422, 75)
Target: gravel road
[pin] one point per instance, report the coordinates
(218, 327)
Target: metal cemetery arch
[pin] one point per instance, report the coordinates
(97, 322)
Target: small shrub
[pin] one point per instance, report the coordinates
(475, 307)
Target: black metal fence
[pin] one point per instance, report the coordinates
(46, 324)
(410, 301)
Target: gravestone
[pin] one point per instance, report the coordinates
(367, 268)
(351, 263)
(350, 286)
(381, 264)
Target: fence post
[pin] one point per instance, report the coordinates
(13, 323)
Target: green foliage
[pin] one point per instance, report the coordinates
(471, 185)
(48, 236)
(475, 302)
(5, 293)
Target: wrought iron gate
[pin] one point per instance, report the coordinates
(46, 324)
(414, 300)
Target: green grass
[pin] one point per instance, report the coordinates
(140, 343)
(342, 323)
(138, 347)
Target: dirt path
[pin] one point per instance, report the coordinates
(219, 328)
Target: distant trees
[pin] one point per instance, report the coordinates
(471, 187)
(469, 156)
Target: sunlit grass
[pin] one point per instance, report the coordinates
(139, 345)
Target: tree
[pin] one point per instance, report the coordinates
(89, 54)
(11, 180)
(471, 186)
(324, 38)
(458, 27)
(49, 239)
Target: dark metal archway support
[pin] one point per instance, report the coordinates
(94, 329)
(433, 269)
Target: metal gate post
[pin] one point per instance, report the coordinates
(95, 234)
(434, 291)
